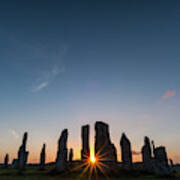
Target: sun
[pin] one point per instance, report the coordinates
(92, 159)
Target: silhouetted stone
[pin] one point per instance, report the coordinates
(126, 154)
(171, 162)
(85, 152)
(6, 160)
(43, 157)
(61, 160)
(147, 155)
(22, 154)
(161, 155)
(157, 164)
(153, 146)
(104, 149)
(161, 166)
(14, 164)
(71, 154)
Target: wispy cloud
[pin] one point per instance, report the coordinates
(47, 78)
(40, 86)
(168, 94)
(14, 133)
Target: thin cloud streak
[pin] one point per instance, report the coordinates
(47, 78)
(55, 69)
(40, 86)
(169, 94)
(136, 153)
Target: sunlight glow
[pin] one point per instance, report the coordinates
(92, 164)
(93, 159)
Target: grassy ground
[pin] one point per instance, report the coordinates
(35, 174)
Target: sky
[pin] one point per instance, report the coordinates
(64, 64)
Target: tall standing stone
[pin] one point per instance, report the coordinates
(22, 153)
(104, 149)
(43, 157)
(85, 152)
(126, 154)
(147, 155)
(61, 160)
(6, 160)
(71, 154)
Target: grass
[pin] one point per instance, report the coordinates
(33, 173)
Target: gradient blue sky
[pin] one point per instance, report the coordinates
(64, 64)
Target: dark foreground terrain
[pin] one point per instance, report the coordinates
(32, 173)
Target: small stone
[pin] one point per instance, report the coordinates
(43, 157)
(6, 161)
(71, 154)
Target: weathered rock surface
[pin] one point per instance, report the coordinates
(104, 149)
(126, 154)
(85, 152)
(43, 157)
(61, 160)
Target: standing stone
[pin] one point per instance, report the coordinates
(71, 154)
(61, 160)
(126, 154)
(22, 153)
(104, 149)
(161, 166)
(14, 164)
(147, 155)
(6, 160)
(160, 155)
(43, 157)
(171, 162)
(85, 152)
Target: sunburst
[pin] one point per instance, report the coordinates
(93, 163)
